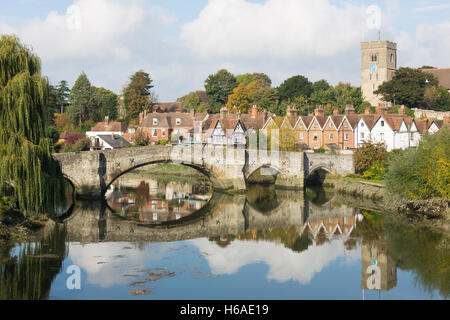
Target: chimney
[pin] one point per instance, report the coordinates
(401, 110)
(446, 120)
(335, 112)
(381, 109)
(141, 117)
(223, 113)
(319, 111)
(112, 136)
(192, 112)
(291, 111)
(254, 111)
(349, 110)
(368, 111)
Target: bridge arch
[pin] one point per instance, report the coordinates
(207, 173)
(317, 175)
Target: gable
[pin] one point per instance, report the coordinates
(380, 122)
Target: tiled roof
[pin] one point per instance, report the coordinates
(116, 142)
(111, 126)
(307, 120)
(168, 120)
(166, 107)
(370, 119)
(443, 75)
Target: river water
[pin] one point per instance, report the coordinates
(171, 237)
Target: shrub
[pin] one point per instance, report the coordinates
(78, 145)
(321, 150)
(375, 172)
(140, 139)
(423, 173)
(368, 154)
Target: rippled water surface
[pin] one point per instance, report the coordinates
(169, 236)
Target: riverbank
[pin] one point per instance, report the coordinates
(434, 213)
(15, 227)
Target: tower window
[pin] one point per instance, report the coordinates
(374, 57)
(392, 57)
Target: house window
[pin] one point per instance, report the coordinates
(155, 217)
(155, 133)
(362, 135)
(155, 121)
(301, 135)
(178, 121)
(362, 125)
(382, 136)
(301, 125)
(316, 125)
(345, 125)
(382, 123)
(316, 136)
(331, 136)
(132, 130)
(346, 137)
(331, 125)
(412, 136)
(163, 132)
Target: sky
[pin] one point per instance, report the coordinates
(180, 42)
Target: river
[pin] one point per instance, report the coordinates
(169, 236)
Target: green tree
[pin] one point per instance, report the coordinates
(247, 78)
(218, 87)
(193, 101)
(137, 94)
(106, 102)
(240, 98)
(82, 101)
(407, 87)
(63, 93)
(26, 163)
(320, 85)
(297, 86)
(441, 100)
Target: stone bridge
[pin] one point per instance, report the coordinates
(92, 172)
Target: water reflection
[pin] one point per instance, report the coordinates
(156, 200)
(282, 242)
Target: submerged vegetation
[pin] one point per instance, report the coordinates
(28, 173)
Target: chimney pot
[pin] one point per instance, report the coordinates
(368, 110)
(335, 111)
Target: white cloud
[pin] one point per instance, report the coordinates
(430, 45)
(276, 28)
(284, 264)
(107, 263)
(107, 29)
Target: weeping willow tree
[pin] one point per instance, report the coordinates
(26, 165)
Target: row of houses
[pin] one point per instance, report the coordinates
(230, 127)
(351, 130)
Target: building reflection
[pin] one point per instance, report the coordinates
(379, 271)
(154, 202)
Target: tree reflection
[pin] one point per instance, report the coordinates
(29, 274)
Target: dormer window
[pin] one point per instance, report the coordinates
(178, 121)
(155, 121)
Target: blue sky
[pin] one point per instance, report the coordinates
(181, 42)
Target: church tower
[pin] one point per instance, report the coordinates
(378, 64)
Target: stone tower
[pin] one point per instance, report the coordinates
(378, 64)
